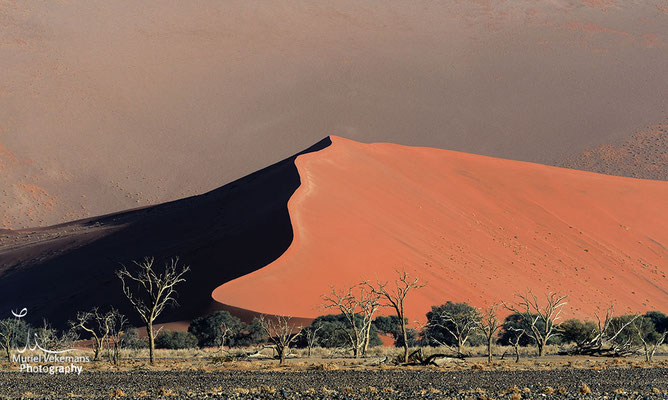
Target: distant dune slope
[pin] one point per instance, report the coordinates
(107, 105)
(223, 234)
(477, 229)
(641, 155)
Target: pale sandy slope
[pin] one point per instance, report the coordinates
(477, 229)
(108, 105)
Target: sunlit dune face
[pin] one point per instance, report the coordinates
(476, 229)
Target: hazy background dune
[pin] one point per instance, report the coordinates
(108, 105)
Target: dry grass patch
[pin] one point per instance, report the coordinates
(431, 390)
(117, 393)
(513, 389)
(549, 390)
(166, 392)
(324, 390)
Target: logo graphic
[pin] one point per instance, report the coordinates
(35, 358)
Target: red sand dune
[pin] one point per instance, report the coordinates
(477, 229)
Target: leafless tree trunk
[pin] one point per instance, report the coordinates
(395, 297)
(516, 344)
(281, 333)
(152, 291)
(358, 304)
(651, 340)
(224, 333)
(96, 325)
(459, 326)
(603, 342)
(117, 326)
(311, 337)
(542, 320)
(489, 324)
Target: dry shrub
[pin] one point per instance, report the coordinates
(431, 390)
(324, 390)
(117, 393)
(584, 389)
(166, 392)
(513, 389)
(549, 390)
(268, 389)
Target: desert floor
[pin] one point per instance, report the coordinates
(199, 375)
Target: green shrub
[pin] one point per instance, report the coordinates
(435, 332)
(131, 340)
(175, 340)
(217, 329)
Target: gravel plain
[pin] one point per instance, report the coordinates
(342, 384)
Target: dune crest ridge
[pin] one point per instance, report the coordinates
(477, 229)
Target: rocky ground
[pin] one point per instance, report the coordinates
(609, 383)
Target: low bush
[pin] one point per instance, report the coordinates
(175, 340)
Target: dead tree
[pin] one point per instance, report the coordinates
(541, 320)
(489, 324)
(96, 325)
(649, 337)
(281, 333)
(225, 332)
(358, 304)
(49, 338)
(605, 338)
(150, 292)
(395, 297)
(311, 336)
(117, 326)
(515, 342)
(457, 322)
(369, 303)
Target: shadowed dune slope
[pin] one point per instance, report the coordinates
(477, 229)
(233, 230)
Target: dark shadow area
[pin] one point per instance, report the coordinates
(223, 234)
